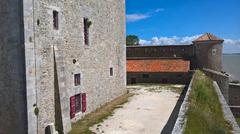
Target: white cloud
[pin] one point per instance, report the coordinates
(232, 42)
(144, 42)
(230, 45)
(170, 40)
(139, 16)
(136, 17)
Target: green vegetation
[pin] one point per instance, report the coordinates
(205, 114)
(132, 40)
(82, 126)
(238, 120)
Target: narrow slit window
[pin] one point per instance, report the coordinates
(77, 79)
(111, 71)
(86, 24)
(55, 20)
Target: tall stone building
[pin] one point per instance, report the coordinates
(59, 60)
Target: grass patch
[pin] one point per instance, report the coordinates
(238, 120)
(82, 126)
(205, 114)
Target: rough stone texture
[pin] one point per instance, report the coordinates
(221, 79)
(106, 49)
(30, 59)
(234, 98)
(13, 109)
(228, 115)
(205, 56)
(161, 51)
(182, 116)
(28, 85)
(234, 94)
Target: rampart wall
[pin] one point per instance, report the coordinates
(221, 79)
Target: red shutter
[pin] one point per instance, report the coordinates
(84, 102)
(72, 107)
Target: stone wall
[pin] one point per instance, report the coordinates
(173, 78)
(234, 98)
(209, 55)
(185, 51)
(182, 116)
(221, 79)
(13, 110)
(106, 50)
(234, 94)
(228, 115)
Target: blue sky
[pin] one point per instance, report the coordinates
(180, 21)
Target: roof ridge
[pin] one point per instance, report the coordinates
(208, 37)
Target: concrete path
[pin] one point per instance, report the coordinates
(146, 113)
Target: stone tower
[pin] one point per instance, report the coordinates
(208, 52)
(59, 60)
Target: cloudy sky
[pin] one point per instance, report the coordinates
(167, 22)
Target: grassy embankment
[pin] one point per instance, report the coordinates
(82, 126)
(205, 115)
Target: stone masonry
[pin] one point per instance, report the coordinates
(38, 62)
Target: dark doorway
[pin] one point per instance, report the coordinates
(133, 80)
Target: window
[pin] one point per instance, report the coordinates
(78, 103)
(55, 20)
(111, 71)
(77, 79)
(214, 51)
(145, 76)
(86, 24)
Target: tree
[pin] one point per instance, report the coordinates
(132, 40)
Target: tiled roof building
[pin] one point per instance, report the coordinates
(158, 65)
(171, 64)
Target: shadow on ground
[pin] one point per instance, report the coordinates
(172, 120)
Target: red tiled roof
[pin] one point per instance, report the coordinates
(208, 37)
(158, 65)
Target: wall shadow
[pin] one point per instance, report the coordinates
(172, 120)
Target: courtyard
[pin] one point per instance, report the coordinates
(147, 112)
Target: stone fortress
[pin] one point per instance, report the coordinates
(175, 63)
(60, 60)
(171, 64)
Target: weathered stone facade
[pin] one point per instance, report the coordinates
(45, 74)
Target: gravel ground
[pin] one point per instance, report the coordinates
(146, 113)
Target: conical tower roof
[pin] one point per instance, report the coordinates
(207, 38)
